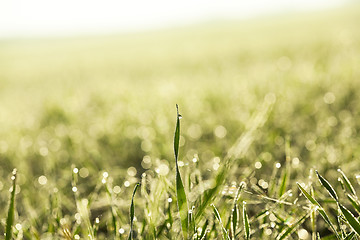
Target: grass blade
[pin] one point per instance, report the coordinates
(283, 182)
(291, 228)
(204, 229)
(180, 190)
(132, 212)
(218, 217)
(308, 196)
(319, 209)
(287, 171)
(11, 212)
(234, 219)
(210, 194)
(353, 222)
(354, 202)
(177, 133)
(246, 222)
(350, 236)
(328, 187)
(236, 152)
(347, 183)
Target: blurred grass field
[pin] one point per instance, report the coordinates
(107, 104)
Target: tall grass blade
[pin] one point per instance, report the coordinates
(218, 217)
(246, 222)
(313, 224)
(237, 151)
(234, 220)
(286, 175)
(283, 183)
(209, 194)
(313, 218)
(204, 229)
(319, 209)
(353, 222)
(328, 186)
(347, 182)
(180, 190)
(11, 212)
(177, 133)
(291, 228)
(132, 212)
(82, 208)
(354, 203)
(350, 236)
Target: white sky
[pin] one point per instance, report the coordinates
(20, 18)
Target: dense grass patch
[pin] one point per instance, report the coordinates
(264, 103)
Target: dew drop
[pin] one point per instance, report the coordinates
(117, 189)
(18, 226)
(42, 180)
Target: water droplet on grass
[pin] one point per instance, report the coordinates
(42, 180)
(131, 171)
(117, 189)
(127, 184)
(258, 165)
(18, 226)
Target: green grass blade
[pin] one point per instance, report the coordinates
(192, 225)
(308, 196)
(177, 134)
(132, 212)
(237, 151)
(291, 228)
(283, 183)
(218, 217)
(328, 186)
(204, 229)
(319, 209)
(209, 194)
(234, 219)
(313, 224)
(353, 222)
(350, 236)
(246, 222)
(347, 182)
(354, 203)
(180, 190)
(11, 212)
(287, 171)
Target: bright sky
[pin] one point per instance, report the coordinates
(67, 17)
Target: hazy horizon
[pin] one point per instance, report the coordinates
(41, 18)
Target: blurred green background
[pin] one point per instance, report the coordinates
(107, 103)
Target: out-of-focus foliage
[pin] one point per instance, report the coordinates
(84, 119)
